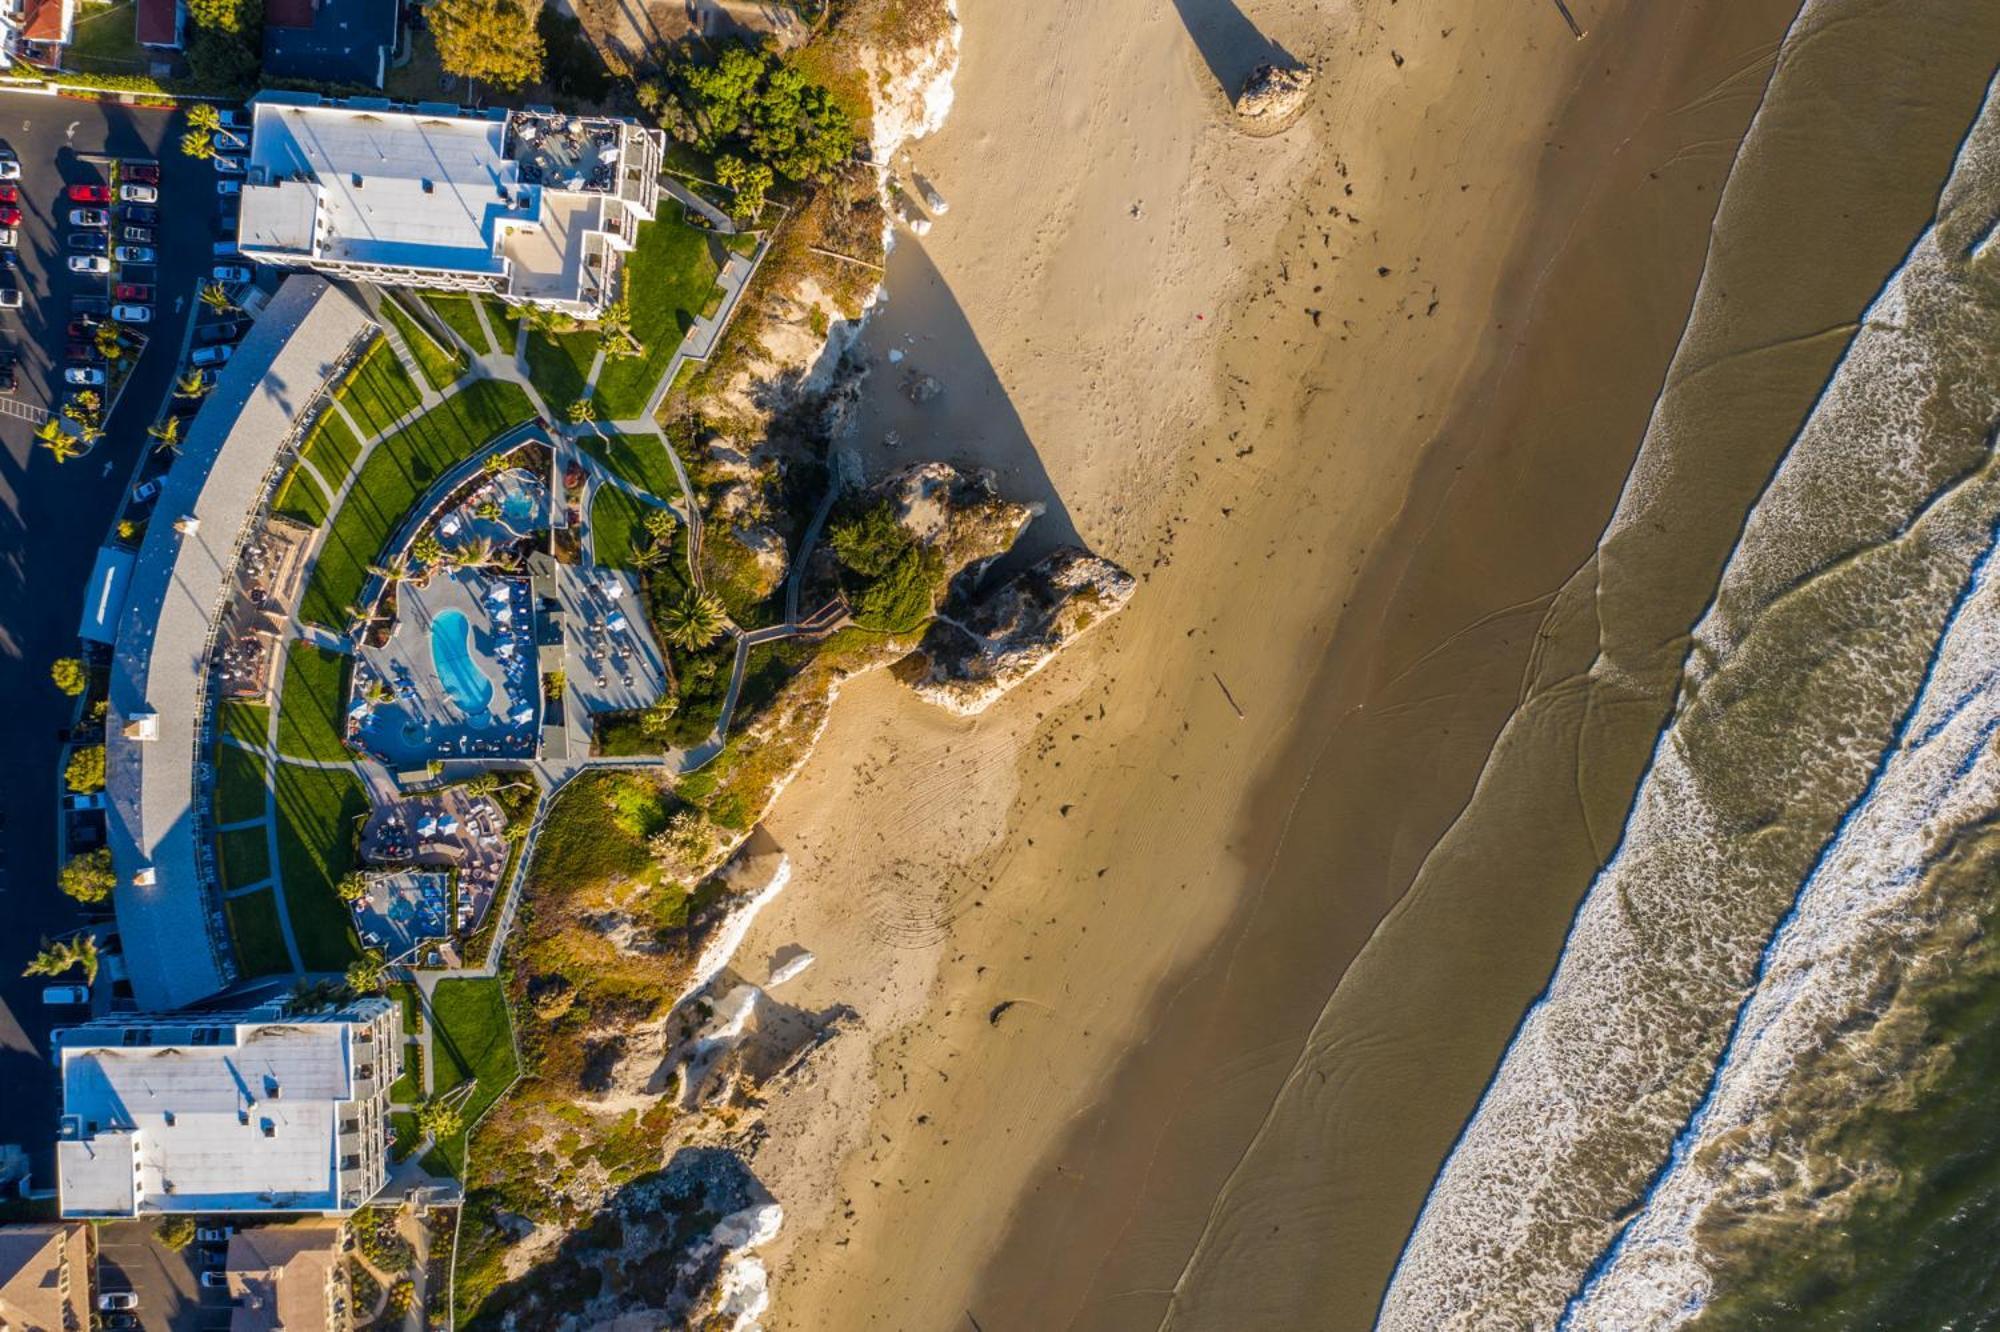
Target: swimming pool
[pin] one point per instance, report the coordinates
(451, 655)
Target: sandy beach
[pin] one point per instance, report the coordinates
(1356, 402)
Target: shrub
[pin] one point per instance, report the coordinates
(70, 675)
(86, 768)
(176, 1232)
(871, 541)
(89, 877)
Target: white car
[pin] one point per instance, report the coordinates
(132, 314)
(84, 376)
(89, 263)
(117, 1301)
(9, 237)
(138, 194)
(229, 189)
(210, 355)
(229, 165)
(232, 273)
(9, 169)
(10, 298)
(134, 254)
(89, 217)
(65, 994)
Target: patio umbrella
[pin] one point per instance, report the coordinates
(448, 824)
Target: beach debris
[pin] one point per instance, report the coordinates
(999, 1010)
(895, 356)
(1272, 95)
(1226, 694)
(920, 388)
(932, 199)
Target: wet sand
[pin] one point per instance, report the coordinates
(1365, 502)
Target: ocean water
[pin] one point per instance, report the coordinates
(1750, 1096)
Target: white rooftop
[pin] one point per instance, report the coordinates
(417, 191)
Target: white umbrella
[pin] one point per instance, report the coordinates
(504, 614)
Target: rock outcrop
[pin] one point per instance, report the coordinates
(1272, 95)
(961, 515)
(970, 657)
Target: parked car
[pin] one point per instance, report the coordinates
(88, 242)
(84, 376)
(138, 194)
(81, 800)
(132, 314)
(227, 331)
(234, 120)
(9, 237)
(117, 1301)
(232, 273)
(8, 360)
(10, 216)
(137, 235)
(10, 298)
(145, 173)
(145, 490)
(214, 1234)
(81, 329)
(10, 192)
(215, 1280)
(88, 194)
(134, 254)
(89, 263)
(144, 214)
(59, 995)
(89, 305)
(210, 355)
(232, 166)
(82, 353)
(133, 291)
(10, 169)
(10, 258)
(89, 217)
(121, 1321)
(229, 187)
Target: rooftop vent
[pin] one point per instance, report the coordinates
(428, 187)
(168, 1115)
(187, 525)
(142, 726)
(356, 178)
(145, 876)
(270, 1128)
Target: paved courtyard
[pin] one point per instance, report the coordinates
(457, 678)
(612, 662)
(403, 909)
(442, 829)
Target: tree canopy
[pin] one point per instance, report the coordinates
(763, 112)
(493, 41)
(88, 877)
(70, 675)
(86, 768)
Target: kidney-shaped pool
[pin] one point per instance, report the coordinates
(451, 655)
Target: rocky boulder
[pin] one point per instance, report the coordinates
(1272, 95)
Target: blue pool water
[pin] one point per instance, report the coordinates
(451, 654)
(519, 508)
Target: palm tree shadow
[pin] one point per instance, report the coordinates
(1230, 44)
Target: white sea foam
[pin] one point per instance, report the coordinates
(1864, 523)
(727, 937)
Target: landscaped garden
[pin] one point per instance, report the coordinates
(312, 711)
(441, 365)
(319, 813)
(471, 1039)
(459, 316)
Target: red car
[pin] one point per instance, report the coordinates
(143, 173)
(89, 194)
(10, 216)
(132, 291)
(10, 193)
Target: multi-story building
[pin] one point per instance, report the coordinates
(257, 1111)
(45, 1278)
(36, 32)
(287, 1279)
(535, 207)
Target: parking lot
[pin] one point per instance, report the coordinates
(168, 1284)
(54, 516)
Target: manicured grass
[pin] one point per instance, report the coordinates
(506, 321)
(300, 498)
(259, 937)
(331, 448)
(559, 364)
(405, 994)
(473, 1039)
(458, 315)
(394, 477)
(404, 1124)
(670, 280)
(245, 721)
(441, 365)
(408, 1089)
(105, 33)
(239, 785)
(639, 460)
(246, 857)
(312, 711)
(616, 519)
(379, 391)
(318, 813)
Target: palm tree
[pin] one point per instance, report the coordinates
(167, 430)
(57, 958)
(62, 443)
(202, 116)
(198, 144)
(216, 297)
(694, 621)
(84, 406)
(191, 385)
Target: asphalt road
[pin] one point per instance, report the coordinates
(53, 517)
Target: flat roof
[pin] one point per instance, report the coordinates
(413, 191)
(245, 1120)
(330, 41)
(158, 23)
(105, 596)
(160, 664)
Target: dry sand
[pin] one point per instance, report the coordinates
(1373, 383)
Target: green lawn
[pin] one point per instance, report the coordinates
(312, 712)
(259, 937)
(331, 448)
(239, 784)
(506, 321)
(409, 1088)
(300, 498)
(105, 32)
(473, 1039)
(245, 721)
(616, 519)
(639, 460)
(459, 316)
(558, 365)
(670, 281)
(404, 1124)
(441, 365)
(318, 818)
(379, 391)
(405, 994)
(396, 474)
(246, 857)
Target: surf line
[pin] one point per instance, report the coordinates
(1690, 1131)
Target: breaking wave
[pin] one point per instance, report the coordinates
(1830, 744)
